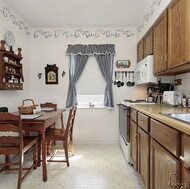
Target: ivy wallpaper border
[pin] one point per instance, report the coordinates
(81, 32)
(6, 12)
(149, 14)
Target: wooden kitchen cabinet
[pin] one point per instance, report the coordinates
(160, 44)
(140, 146)
(171, 40)
(134, 144)
(148, 43)
(143, 149)
(185, 159)
(134, 115)
(143, 121)
(144, 158)
(145, 46)
(11, 73)
(164, 168)
(164, 156)
(179, 33)
(140, 50)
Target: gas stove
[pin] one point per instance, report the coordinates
(129, 102)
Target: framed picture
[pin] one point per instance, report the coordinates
(51, 74)
(123, 64)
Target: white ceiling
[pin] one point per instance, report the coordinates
(79, 13)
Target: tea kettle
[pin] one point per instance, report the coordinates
(149, 97)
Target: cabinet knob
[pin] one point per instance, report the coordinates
(182, 158)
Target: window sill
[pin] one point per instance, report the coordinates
(93, 106)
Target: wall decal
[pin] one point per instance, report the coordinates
(149, 14)
(39, 75)
(6, 12)
(80, 32)
(63, 73)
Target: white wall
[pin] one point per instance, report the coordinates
(91, 125)
(185, 87)
(10, 21)
(154, 9)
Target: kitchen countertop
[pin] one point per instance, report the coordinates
(154, 110)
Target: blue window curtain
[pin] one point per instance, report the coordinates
(79, 54)
(105, 63)
(76, 66)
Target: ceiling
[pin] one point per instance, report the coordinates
(79, 13)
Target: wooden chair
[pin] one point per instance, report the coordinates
(50, 105)
(7, 157)
(13, 142)
(64, 135)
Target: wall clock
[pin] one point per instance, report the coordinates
(9, 38)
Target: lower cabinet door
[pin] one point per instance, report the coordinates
(134, 143)
(164, 168)
(186, 178)
(143, 158)
(185, 161)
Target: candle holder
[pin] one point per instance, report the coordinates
(2, 44)
(19, 51)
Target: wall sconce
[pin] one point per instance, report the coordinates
(63, 73)
(39, 75)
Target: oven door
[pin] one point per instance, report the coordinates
(124, 122)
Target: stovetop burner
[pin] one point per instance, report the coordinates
(128, 102)
(134, 101)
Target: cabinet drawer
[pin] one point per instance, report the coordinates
(166, 136)
(143, 121)
(134, 115)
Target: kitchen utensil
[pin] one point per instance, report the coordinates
(156, 100)
(122, 75)
(129, 82)
(118, 82)
(126, 79)
(132, 83)
(115, 82)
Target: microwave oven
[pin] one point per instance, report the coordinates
(143, 73)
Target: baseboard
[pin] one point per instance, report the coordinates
(96, 141)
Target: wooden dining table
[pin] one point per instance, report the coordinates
(40, 123)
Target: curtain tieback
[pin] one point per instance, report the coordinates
(72, 83)
(109, 82)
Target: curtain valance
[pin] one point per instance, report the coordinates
(91, 49)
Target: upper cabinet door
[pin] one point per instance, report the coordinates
(140, 50)
(148, 43)
(178, 33)
(160, 44)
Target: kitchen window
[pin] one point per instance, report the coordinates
(79, 56)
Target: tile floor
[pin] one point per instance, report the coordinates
(92, 167)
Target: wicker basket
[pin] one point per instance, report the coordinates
(27, 109)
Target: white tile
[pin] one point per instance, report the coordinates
(92, 167)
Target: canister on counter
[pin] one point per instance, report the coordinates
(186, 102)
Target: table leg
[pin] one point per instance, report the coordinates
(44, 165)
(39, 149)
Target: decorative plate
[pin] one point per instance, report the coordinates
(9, 38)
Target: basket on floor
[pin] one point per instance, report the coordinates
(23, 109)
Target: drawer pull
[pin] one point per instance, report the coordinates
(141, 121)
(182, 187)
(170, 180)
